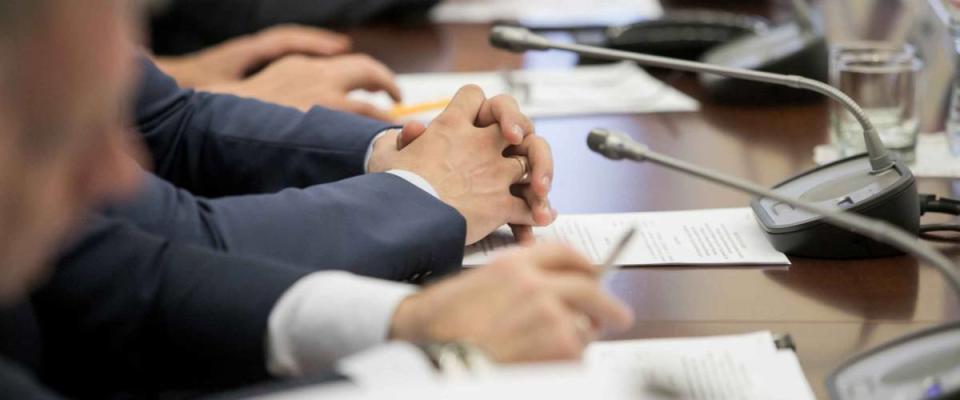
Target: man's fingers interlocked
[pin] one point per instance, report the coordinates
(540, 156)
(543, 212)
(504, 111)
(522, 175)
(464, 106)
(518, 212)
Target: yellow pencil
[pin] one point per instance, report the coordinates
(405, 110)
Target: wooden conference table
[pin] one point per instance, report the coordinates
(833, 309)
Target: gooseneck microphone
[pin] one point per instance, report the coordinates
(518, 39)
(618, 146)
(872, 184)
(802, 11)
(904, 368)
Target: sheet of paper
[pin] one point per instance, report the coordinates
(388, 364)
(754, 344)
(547, 13)
(747, 367)
(621, 88)
(934, 159)
(699, 237)
(538, 381)
(727, 367)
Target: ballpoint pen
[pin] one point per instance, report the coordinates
(609, 265)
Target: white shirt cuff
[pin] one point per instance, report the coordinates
(412, 178)
(366, 158)
(415, 180)
(329, 315)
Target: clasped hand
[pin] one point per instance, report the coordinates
(466, 154)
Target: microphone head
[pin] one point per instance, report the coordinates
(516, 39)
(609, 144)
(597, 140)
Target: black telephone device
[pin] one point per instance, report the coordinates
(685, 34)
(734, 40)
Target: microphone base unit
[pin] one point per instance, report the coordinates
(923, 365)
(846, 184)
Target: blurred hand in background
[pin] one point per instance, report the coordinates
(292, 65)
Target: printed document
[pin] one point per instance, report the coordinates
(622, 88)
(547, 13)
(744, 367)
(725, 367)
(700, 237)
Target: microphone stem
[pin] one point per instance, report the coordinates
(879, 158)
(880, 231)
(802, 11)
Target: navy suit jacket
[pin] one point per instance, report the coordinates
(189, 25)
(16, 383)
(252, 178)
(170, 293)
(127, 313)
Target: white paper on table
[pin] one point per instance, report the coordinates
(388, 364)
(754, 344)
(747, 367)
(561, 381)
(933, 157)
(621, 88)
(547, 13)
(742, 366)
(728, 236)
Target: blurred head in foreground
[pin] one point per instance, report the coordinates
(66, 73)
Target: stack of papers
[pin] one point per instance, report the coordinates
(742, 367)
(620, 88)
(933, 157)
(547, 13)
(700, 237)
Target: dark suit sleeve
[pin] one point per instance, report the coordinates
(374, 225)
(18, 383)
(216, 145)
(189, 25)
(129, 311)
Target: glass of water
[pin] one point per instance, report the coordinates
(882, 78)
